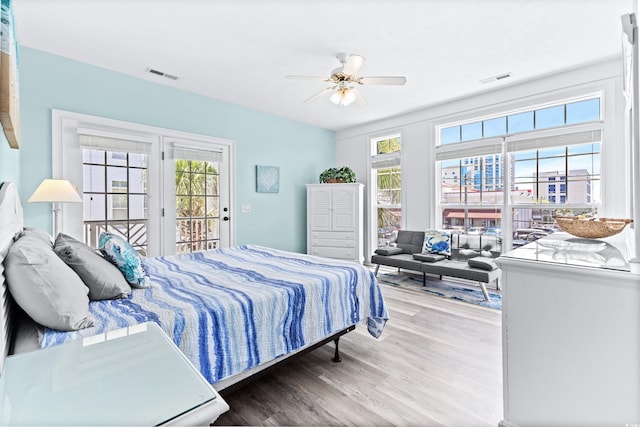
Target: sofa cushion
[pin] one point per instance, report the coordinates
(428, 257)
(461, 270)
(437, 242)
(410, 241)
(483, 263)
(404, 261)
(389, 251)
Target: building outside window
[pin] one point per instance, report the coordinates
(514, 161)
(387, 179)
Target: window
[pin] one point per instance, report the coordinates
(387, 188)
(115, 190)
(519, 158)
(547, 117)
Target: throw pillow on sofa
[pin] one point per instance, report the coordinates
(437, 242)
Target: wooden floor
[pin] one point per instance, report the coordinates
(438, 362)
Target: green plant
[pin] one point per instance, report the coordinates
(342, 174)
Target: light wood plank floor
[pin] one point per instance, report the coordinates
(438, 362)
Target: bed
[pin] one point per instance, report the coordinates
(234, 312)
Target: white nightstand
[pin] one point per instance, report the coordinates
(130, 376)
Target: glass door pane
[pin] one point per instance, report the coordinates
(197, 205)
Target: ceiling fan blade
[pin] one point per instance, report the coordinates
(319, 94)
(383, 80)
(306, 78)
(360, 101)
(353, 64)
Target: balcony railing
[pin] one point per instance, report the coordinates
(134, 231)
(191, 235)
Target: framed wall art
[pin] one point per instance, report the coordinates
(267, 179)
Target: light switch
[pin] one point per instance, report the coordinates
(245, 208)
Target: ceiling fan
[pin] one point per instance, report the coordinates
(344, 80)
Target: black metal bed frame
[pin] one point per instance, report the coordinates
(336, 358)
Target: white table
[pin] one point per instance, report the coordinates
(130, 376)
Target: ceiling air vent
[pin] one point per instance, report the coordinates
(495, 78)
(163, 74)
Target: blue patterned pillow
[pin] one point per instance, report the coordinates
(437, 242)
(121, 254)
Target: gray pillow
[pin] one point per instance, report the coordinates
(391, 250)
(428, 257)
(104, 280)
(483, 263)
(48, 290)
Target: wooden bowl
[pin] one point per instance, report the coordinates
(592, 228)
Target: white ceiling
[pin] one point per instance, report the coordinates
(240, 50)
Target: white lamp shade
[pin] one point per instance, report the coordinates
(55, 190)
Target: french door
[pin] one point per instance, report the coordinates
(197, 214)
(163, 191)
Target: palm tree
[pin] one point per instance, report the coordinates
(195, 180)
(389, 182)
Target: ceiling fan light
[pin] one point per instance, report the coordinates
(336, 97)
(343, 97)
(348, 97)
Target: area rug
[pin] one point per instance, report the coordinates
(442, 288)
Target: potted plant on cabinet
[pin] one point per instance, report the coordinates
(342, 174)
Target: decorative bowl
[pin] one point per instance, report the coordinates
(592, 228)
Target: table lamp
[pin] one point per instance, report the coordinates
(55, 191)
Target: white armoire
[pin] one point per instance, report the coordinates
(335, 221)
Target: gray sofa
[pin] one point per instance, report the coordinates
(471, 258)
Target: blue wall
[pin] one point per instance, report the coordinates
(301, 151)
(9, 162)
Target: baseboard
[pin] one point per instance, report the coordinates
(504, 423)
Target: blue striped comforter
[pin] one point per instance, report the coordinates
(232, 309)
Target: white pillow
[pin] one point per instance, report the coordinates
(46, 288)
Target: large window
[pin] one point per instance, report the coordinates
(535, 163)
(387, 175)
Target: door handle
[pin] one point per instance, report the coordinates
(225, 218)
